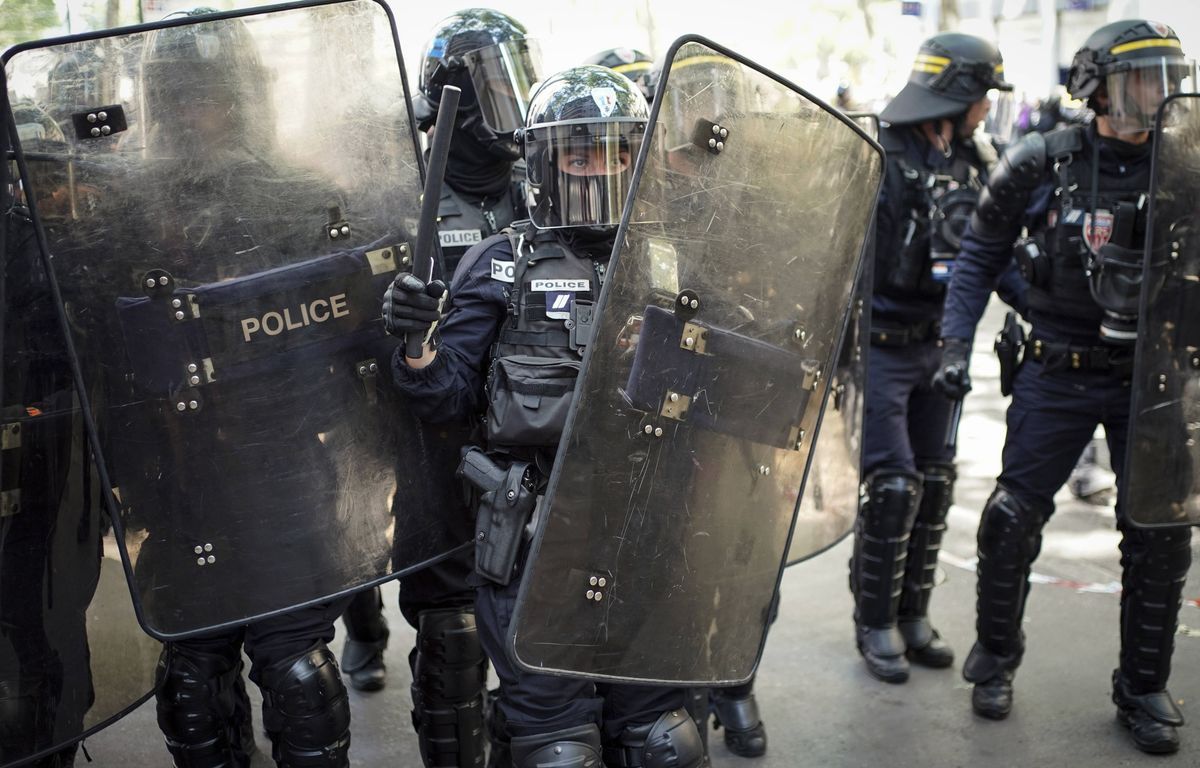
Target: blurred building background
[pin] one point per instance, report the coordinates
(819, 44)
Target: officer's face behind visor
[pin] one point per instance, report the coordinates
(503, 76)
(1135, 93)
(585, 174)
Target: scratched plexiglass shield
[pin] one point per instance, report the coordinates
(831, 496)
(1162, 469)
(72, 656)
(666, 523)
(226, 199)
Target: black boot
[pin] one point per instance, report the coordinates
(1155, 563)
(736, 710)
(881, 533)
(366, 640)
(1152, 718)
(1010, 536)
(923, 643)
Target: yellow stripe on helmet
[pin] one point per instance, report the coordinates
(623, 68)
(928, 68)
(928, 58)
(1137, 45)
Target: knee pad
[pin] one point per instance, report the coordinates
(577, 747)
(448, 689)
(306, 710)
(671, 741)
(937, 494)
(1010, 529)
(891, 503)
(198, 708)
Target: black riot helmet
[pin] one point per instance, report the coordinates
(628, 61)
(490, 57)
(1137, 63)
(581, 139)
(205, 86)
(952, 72)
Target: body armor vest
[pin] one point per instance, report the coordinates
(1090, 207)
(935, 208)
(538, 352)
(465, 221)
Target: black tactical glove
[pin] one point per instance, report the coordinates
(412, 305)
(952, 378)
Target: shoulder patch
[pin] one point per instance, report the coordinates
(504, 271)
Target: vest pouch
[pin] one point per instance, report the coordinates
(528, 400)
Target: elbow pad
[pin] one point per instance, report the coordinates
(1003, 201)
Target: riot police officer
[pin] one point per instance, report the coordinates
(1079, 191)
(502, 324)
(935, 169)
(490, 57)
(630, 62)
(205, 135)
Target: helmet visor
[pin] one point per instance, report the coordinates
(1136, 91)
(580, 172)
(1001, 115)
(503, 76)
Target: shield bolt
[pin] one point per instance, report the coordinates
(333, 233)
(648, 429)
(102, 115)
(658, 431)
(91, 118)
(163, 280)
(181, 406)
(199, 550)
(194, 380)
(720, 146)
(176, 303)
(695, 303)
(1162, 382)
(599, 596)
(212, 559)
(480, 536)
(373, 367)
(716, 129)
(149, 282)
(199, 561)
(602, 582)
(192, 368)
(345, 229)
(591, 593)
(764, 470)
(689, 342)
(712, 143)
(179, 315)
(105, 129)
(724, 133)
(362, 370)
(95, 132)
(593, 581)
(208, 547)
(510, 495)
(193, 404)
(674, 397)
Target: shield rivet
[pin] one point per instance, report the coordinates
(195, 380)
(176, 303)
(558, 750)
(208, 547)
(91, 118)
(674, 397)
(192, 368)
(689, 342)
(682, 300)
(593, 581)
(362, 370)
(373, 367)
(658, 431)
(193, 404)
(345, 229)
(102, 115)
(149, 282)
(724, 134)
(695, 303)
(510, 495)
(105, 129)
(716, 129)
(599, 596)
(591, 594)
(179, 315)
(199, 561)
(763, 469)
(481, 536)
(333, 233)
(712, 143)
(720, 146)
(199, 550)
(181, 406)
(95, 132)
(163, 280)
(603, 581)
(212, 559)
(648, 429)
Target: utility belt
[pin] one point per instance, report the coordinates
(1060, 356)
(508, 492)
(896, 335)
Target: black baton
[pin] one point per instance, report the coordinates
(439, 148)
(952, 427)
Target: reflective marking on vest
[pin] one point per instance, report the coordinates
(560, 295)
(454, 238)
(504, 271)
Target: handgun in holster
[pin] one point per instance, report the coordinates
(1009, 343)
(507, 497)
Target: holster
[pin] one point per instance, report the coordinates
(1009, 343)
(507, 497)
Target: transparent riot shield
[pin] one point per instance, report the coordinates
(829, 505)
(668, 515)
(225, 198)
(1162, 465)
(72, 656)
